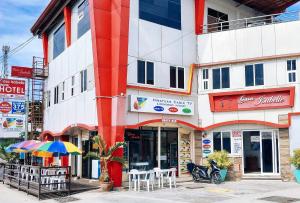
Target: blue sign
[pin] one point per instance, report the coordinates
(206, 141)
(18, 107)
(159, 108)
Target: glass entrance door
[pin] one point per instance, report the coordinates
(269, 152)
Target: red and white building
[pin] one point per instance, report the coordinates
(174, 79)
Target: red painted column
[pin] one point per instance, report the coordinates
(199, 16)
(45, 47)
(67, 18)
(110, 28)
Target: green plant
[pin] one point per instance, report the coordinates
(7, 157)
(222, 159)
(105, 155)
(295, 159)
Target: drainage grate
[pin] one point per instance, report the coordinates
(194, 187)
(280, 199)
(66, 199)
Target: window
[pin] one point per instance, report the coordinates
(48, 94)
(205, 78)
(254, 75)
(176, 77)
(83, 79)
(83, 18)
(216, 20)
(63, 91)
(56, 90)
(145, 72)
(59, 41)
(222, 141)
(163, 12)
(291, 69)
(72, 85)
(221, 78)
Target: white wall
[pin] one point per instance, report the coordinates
(294, 133)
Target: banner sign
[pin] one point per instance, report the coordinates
(161, 105)
(12, 107)
(236, 143)
(21, 72)
(252, 100)
(12, 88)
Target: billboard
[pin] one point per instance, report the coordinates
(21, 72)
(12, 88)
(12, 107)
(161, 105)
(11, 126)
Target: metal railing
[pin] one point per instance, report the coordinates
(39, 181)
(251, 22)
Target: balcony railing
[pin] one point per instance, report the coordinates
(250, 22)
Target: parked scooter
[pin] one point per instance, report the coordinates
(200, 173)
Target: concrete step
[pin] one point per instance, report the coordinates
(261, 177)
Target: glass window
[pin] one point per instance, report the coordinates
(145, 72)
(221, 78)
(180, 78)
(72, 85)
(226, 141)
(83, 79)
(48, 98)
(83, 18)
(56, 93)
(63, 91)
(217, 141)
(216, 20)
(254, 75)
(173, 76)
(59, 41)
(292, 70)
(205, 78)
(222, 141)
(163, 12)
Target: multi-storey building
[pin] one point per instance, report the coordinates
(174, 79)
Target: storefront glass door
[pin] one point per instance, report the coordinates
(169, 149)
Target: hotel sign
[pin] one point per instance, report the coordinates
(252, 100)
(145, 104)
(12, 88)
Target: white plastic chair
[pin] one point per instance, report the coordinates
(157, 174)
(148, 179)
(172, 177)
(133, 177)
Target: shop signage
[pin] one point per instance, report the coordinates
(161, 105)
(207, 146)
(12, 107)
(236, 143)
(255, 139)
(21, 72)
(12, 88)
(252, 99)
(12, 124)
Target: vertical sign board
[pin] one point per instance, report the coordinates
(236, 143)
(207, 145)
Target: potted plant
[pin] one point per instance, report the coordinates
(105, 155)
(223, 162)
(295, 160)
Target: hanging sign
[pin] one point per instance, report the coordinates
(236, 143)
(21, 72)
(12, 88)
(161, 105)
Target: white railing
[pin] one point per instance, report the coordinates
(251, 22)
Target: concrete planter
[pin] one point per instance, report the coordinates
(297, 175)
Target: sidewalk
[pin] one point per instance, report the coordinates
(243, 191)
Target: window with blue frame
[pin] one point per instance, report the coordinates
(163, 12)
(292, 70)
(254, 75)
(221, 78)
(59, 41)
(83, 18)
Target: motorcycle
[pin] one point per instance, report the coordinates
(200, 173)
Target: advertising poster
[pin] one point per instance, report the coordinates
(161, 105)
(12, 107)
(236, 143)
(12, 126)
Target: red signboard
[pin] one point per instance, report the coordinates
(21, 72)
(252, 99)
(5, 107)
(12, 87)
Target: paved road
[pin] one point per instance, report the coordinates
(230, 192)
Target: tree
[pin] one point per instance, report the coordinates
(8, 157)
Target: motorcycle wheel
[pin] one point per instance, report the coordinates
(216, 178)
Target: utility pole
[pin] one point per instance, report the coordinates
(5, 51)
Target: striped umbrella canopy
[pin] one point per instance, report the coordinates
(59, 148)
(20, 146)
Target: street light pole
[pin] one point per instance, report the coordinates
(27, 110)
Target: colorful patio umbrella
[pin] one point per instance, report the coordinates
(20, 146)
(59, 148)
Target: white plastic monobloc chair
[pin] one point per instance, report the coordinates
(148, 179)
(157, 176)
(133, 178)
(169, 176)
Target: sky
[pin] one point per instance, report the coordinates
(16, 19)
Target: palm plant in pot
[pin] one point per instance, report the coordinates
(295, 161)
(105, 155)
(223, 161)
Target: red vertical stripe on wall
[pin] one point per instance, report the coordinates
(199, 16)
(110, 28)
(45, 47)
(67, 17)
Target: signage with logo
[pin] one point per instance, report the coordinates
(21, 72)
(12, 107)
(207, 145)
(11, 126)
(236, 143)
(12, 88)
(252, 99)
(161, 105)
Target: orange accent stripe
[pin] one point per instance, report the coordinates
(67, 17)
(153, 89)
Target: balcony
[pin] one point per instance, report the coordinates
(261, 37)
